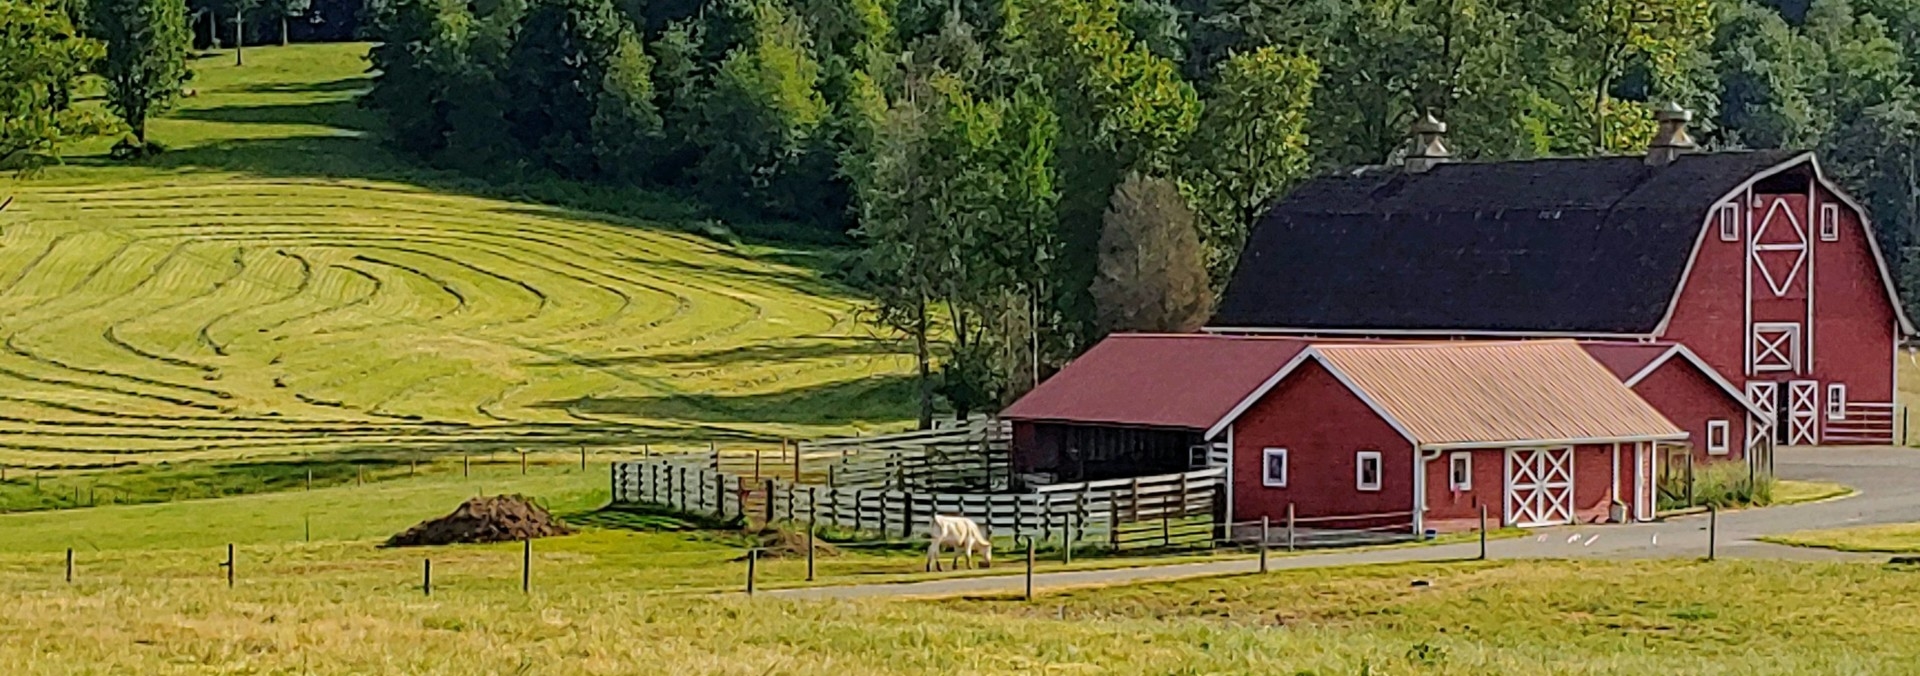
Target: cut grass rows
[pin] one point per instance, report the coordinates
(227, 313)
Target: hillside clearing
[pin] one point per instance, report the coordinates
(279, 285)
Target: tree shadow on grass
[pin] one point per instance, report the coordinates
(817, 348)
(874, 399)
(347, 85)
(344, 115)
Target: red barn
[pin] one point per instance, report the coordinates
(1755, 261)
(1679, 384)
(1417, 435)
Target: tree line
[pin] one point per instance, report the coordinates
(1023, 176)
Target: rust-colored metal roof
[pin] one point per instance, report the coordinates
(1625, 359)
(1463, 393)
(1157, 380)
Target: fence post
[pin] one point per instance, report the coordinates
(1483, 532)
(229, 565)
(69, 565)
(769, 487)
(753, 561)
(1029, 568)
(906, 517)
(309, 478)
(523, 461)
(681, 489)
(526, 565)
(1113, 525)
(1903, 426)
(1290, 524)
(466, 466)
(1266, 524)
(720, 495)
(796, 458)
(426, 577)
(756, 462)
(306, 523)
(812, 523)
(1713, 531)
(583, 458)
(792, 495)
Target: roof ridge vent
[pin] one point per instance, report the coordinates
(1671, 141)
(1429, 145)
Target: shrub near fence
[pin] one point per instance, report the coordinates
(1174, 510)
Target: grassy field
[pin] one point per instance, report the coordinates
(279, 285)
(149, 597)
(1898, 538)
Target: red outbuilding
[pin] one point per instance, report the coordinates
(1355, 435)
(1756, 261)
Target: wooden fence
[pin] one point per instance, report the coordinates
(1174, 510)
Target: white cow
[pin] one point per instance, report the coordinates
(960, 533)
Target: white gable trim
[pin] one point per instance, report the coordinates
(1311, 353)
(1255, 330)
(1682, 352)
(1820, 177)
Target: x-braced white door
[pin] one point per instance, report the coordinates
(1803, 412)
(1766, 397)
(1539, 486)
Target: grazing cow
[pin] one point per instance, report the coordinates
(963, 535)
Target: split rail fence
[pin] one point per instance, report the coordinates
(1174, 510)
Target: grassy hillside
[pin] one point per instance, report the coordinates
(279, 283)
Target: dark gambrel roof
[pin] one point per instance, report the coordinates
(1576, 245)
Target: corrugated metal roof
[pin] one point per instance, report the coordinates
(1506, 392)
(1155, 380)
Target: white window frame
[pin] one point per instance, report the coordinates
(1836, 401)
(1791, 331)
(1460, 470)
(1727, 216)
(1266, 467)
(1360, 470)
(1718, 434)
(1829, 222)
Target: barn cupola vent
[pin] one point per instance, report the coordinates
(1429, 145)
(1671, 141)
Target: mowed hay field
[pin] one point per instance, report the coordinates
(277, 283)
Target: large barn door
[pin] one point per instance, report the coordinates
(1539, 486)
(1766, 397)
(1803, 412)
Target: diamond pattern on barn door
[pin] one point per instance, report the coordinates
(1779, 247)
(1803, 412)
(1539, 486)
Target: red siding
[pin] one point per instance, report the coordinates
(1449, 510)
(1851, 339)
(1322, 425)
(1688, 398)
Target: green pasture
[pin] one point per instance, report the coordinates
(278, 284)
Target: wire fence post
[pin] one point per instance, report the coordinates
(426, 577)
(1690, 502)
(1713, 531)
(1029, 567)
(229, 565)
(306, 522)
(526, 566)
(1265, 523)
(69, 565)
(753, 561)
(583, 458)
(812, 523)
(1483, 532)
(523, 462)
(466, 465)
(309, 478)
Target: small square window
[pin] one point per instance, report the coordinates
(1728, 217)
(1273, 463)
(1367, 470)
(1460, 470)
(1829, 222)
(1837, 402)
(1717, 437)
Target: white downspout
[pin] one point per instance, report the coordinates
(1420, 458)
(1232, 468)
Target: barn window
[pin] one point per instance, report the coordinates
(1367, 471)
(1728, 216)
(1273, 464)
(1837, 401)
(1829, 222)
(1716, 437)
(1460, 470)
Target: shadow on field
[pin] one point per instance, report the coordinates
(344, 115)
(771, 351)
(357, 84)
(878, 398)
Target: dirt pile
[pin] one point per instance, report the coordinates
(780, 543)
(500, 518)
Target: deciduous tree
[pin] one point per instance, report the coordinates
(146, 63)
(42, 61)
